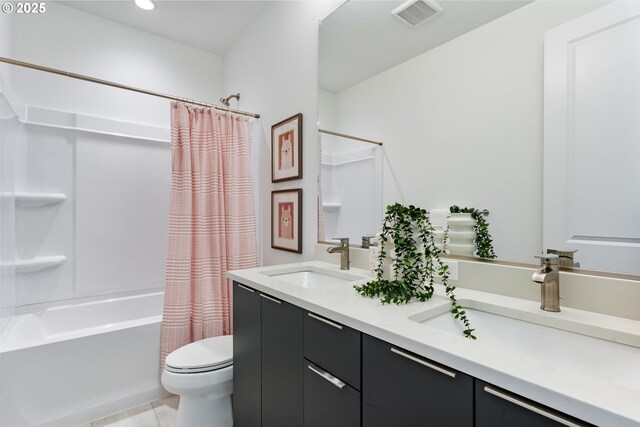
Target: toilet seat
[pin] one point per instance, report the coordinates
(209, 354)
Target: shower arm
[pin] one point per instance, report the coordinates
(226, 100)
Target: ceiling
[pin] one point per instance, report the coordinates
(209, 25)
(359, 40)
(362, 38)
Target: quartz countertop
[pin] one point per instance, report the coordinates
(587, 395)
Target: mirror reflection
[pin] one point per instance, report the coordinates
(350, 193)
(461, 102)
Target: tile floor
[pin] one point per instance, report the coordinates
(159, 413)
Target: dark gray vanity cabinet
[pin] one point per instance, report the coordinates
(499, 408)
(294, 368)
(331, 373)
(247, 358)
(267, 355)
(400, 388)
(282, 381)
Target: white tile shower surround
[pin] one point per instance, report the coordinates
(159, 413)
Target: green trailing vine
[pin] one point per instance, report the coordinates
(414, 270)
(483, 240)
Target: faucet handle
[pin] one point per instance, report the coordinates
(548, 259)
(366, 240)
(344, 241)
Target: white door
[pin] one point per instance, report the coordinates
(592, 138)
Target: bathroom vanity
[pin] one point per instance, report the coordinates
(309, 350)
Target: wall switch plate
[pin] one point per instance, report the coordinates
(453, 268)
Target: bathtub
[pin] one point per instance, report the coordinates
(69, 364)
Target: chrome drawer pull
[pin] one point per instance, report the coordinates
(328, 322)
(245, 288)
(270, 299)
(424, 363)
(531, 408)
(327, 376)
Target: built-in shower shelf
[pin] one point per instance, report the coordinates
(331, 206)
(39, 263)
(32, 200)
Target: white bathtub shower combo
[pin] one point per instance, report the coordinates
(84, 211)
(68, 364)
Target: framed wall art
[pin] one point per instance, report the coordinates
(286, 149)
(286, 220)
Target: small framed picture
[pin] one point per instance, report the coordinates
(286, 220)
(286, 149)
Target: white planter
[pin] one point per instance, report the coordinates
(461, 234)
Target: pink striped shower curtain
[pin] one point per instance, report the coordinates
(211, 223)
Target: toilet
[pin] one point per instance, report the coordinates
(201, 373)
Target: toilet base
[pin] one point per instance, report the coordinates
(205, 398)
(205, 412)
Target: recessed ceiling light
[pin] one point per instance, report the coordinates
(146, 4)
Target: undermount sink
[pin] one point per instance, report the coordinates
(568, 341)
(311, 277)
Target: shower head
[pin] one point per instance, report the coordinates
(225, 101)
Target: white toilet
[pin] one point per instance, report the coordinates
(201, 373)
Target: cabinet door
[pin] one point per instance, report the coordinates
(328, 401)
(247, 369)
(499, 408)
(403, 389)
(282, 382)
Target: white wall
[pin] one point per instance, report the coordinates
(328, 120)
(328, 110)
(5, 47)
(113, 226)
(76, 41)
(7, 279)
(462, 123)
(9, 139)
(274, 65)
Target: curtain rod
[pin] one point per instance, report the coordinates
(121, 86)
(344, 135)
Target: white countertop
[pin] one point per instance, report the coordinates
(589, 396)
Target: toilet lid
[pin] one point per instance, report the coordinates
(202, 356)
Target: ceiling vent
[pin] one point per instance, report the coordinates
(416, 12)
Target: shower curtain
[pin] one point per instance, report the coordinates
(212, 227)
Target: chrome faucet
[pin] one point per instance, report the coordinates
(549, 278)
(344, 252)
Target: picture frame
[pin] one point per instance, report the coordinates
(286, 149)
(286, 220)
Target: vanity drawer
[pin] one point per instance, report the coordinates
(333, 347)
(496, 407)
(329, 401)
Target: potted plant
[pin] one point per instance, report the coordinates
(416, 265)
(468, 233)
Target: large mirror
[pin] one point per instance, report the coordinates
(463, 106)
